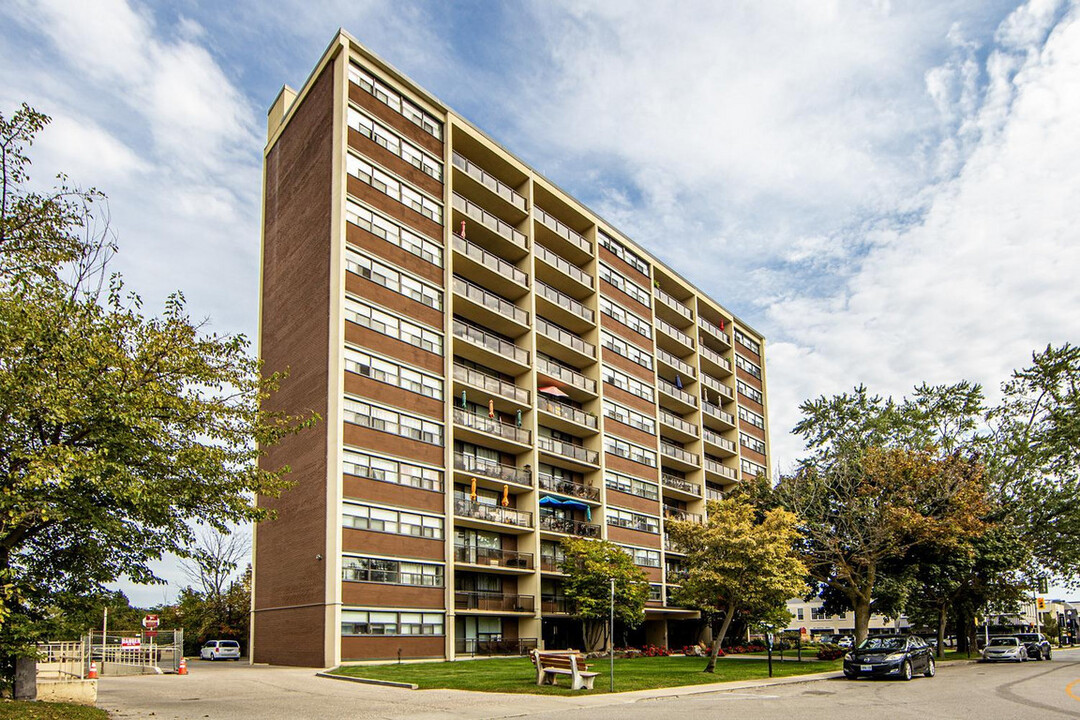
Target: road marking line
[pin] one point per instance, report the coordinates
(1069, 690)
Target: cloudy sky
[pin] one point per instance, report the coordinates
(890, 192)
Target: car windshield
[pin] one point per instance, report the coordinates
(882, 643)
(999, 642)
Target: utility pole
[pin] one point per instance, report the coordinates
(611, 641)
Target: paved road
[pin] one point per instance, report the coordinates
(228, 691)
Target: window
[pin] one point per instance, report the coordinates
(391, 141)
(620, 251)
(749, 441)
(357, 622)
(629, 417)
(630, 451)
(818, 613)
(753, 345)
(390, 231)
(392, 373)
(624, 382)
(799, 614)
(394, 187)
(631, 320)
(631, 485)
(364, 465)
(394, 422)
(397, 572)
(749, 391)
(393, 279)
(643, 556)
(394, 100)
(748, 366)
(394, 522)
(749, 467)
(633, 520)
(628, 350)
(617, 280)
(751, 417)
(385, 323)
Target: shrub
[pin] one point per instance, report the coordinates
(828, 651)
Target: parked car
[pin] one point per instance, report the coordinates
(843, 641)
(890, 656)
(1038, 647)
(220, 650)
(1005, 648)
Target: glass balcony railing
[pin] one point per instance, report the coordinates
(489, 181)
(674, 513)
(714, 330)
(490, 300)
(554, 604)
(560, 229)
(500, 227)
(491, 469)
(493, 601)
(489, 260)
(713, 384)
(716, 412)
(490, 383)
(567, 450)
(565, 267)
(677, 422)
(677, 453)
(563, 486)
(549, 563)
(464, 507)
(498, 557)
(674, 332)
(671, 546)
(677, 483)
(569, 526)
(567, 412)
(671, 389)
(714, 466)
(491, 342)
(676, 305)
(567, 375)
(715, 357)
(681, 365)
(711, 436)
(491, 426)
(553, 332)
(565, 301)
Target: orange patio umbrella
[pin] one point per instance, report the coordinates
(472, 490)
(506, 496)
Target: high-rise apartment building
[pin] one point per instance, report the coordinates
(496, 368)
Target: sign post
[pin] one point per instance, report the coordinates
(151, 623)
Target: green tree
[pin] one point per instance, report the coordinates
(117, 429)
(738, 566)
(590, 566)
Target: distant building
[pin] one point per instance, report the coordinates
(809, 614)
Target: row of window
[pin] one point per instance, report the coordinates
(632, 485)
(748, 342)
(392, 521)
(391, 373)
(752, 442)
(396, 572)
(406, 239)
(385, 323)
(629, 450)
(393, 278)
(630, 319)
(616, 279)
(624, 382)
(626, 416)
(751, 417)
(632, 520)
(752, 468)
(749, 391)
(393, 422)
(748, 366)
(624, 253)
(395, 101)
(394, 187)
(626, 349)
(397, 472)
(642, 556)
(356, 622)
(387, 138)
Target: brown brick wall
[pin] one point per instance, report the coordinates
(616, 327)
(632, 537)
(376, 491)
(365, 337)
(614, 359)
(394, 119)
(386, 647)
(290, 637)
(395, 209)
(748, 378)
(361, 238)
(629, 399)
(364, 594)
(621, 298)
(378, 543)
(629, 467)
(406, 400)
(388, 160)
(632, 502)
(362, 437)
(627, 432)
(397, 302)
(630, 272)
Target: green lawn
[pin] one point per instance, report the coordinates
(516, 675)
(12, 710)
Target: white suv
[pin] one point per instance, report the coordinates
(220, 650)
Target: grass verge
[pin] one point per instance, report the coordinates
(516, 675)
(19, 710)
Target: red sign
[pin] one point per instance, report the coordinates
(150, 622)
(130, 642)
(151, 633)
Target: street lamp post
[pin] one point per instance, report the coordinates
(611, 641)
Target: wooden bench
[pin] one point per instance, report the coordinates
(550, 664)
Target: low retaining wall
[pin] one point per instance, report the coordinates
(80, 692)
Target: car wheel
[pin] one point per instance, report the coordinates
(931, 668)
(905, 671)
(1048, 654)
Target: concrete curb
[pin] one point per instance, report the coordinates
(368, 681)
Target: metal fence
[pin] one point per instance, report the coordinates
(135, 652)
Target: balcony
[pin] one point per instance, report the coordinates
(715, 333)
(579, 248)
(518, 519)
(672, 338)
(713, 362)
(549, 563)
(488, 268)
(568, 526)
(562, 486)
(491, 384)
(673, 513)
(686, 430)
(512, 241)
(472, 465)
(673, 482)
(681, 401)
(493, 351)
(492, 427)
(712, 414)
(677, 454)
(713, 384)
(575, 419)
(679, 366)
(716, 468)
(567, 451)
(671, 546)
(680, 313)
(566, 346)
(712, 437)
(493, 602)
(554, 604)
(495, 557)
(584, 386)
(490, 310)
(566, 309)
(568, 278)
(490, 646)
(486, 180)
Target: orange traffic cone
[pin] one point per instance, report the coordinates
(92, 675)
(183, 667)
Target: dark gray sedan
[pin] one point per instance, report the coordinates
(897, 656)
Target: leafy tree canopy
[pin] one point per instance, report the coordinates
(589, 566)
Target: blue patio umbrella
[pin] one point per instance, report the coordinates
(554, 502)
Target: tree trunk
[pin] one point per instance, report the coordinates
(718, 638)
(943, 616)
(595, 632)
(862, 618)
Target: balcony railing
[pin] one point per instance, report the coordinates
(491, 426)
(566, 411)
(671, 389)
(673, 451)
(681, 484)
(569, 526)
(671, 546)
(564, 337)
(491, 469)
(567, 375)
(682, 366)
(554, 604)
(491, 342)
(564, 266)
(565, 301)
(675, 513)
(716, 412)
(715, 357)
(493, 556)
(712, 383)
(552, 223)
(567, 450)
(490, 260)
(677, 422)
(493, 646)
(490, 300)
(501, 228)
(549, 563)
(714, 330)
(493, 601)
(489, 181)
(491, 384)
(676, 305)
(714, 466)
(563, 486)
(714, 437)
(463, 507)
(674, 332)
